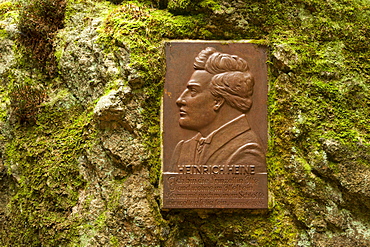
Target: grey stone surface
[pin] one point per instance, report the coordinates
(318, 152)
(84, 65)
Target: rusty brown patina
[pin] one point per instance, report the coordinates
(214, 140)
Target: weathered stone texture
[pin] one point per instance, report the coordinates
(86, 172)
(84, 66)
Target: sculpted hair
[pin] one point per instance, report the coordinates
(232, 79)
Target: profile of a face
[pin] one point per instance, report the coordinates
(196, 103)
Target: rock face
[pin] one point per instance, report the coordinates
(86, 170)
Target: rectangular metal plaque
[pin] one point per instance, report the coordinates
(215, 125)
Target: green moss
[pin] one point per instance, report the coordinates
(3, 105)
(179, 5)
(114, 241)
(192, 7)
(38, 22)
(8, 13)
(46, 157)
(86, 9)
(143, 29)
(210, 4)
(320, 93)
(321, 59)
(3, 34)
(6, 7)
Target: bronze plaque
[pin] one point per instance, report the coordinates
(215, 125)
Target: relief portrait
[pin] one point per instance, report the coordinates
(214, 125)
(214, 104)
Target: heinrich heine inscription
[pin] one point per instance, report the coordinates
(215, 126)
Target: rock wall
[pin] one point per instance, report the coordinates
(80, 127)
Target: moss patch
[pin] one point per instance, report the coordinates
(144, 29)
(45, 158)
(318, 115)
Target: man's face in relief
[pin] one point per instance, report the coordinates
(196, 103)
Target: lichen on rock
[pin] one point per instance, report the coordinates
(86, 171)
